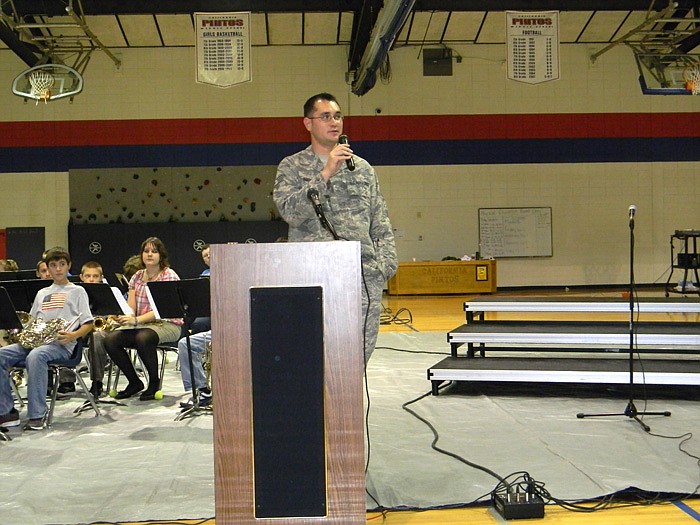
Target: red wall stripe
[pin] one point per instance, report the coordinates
(365, 128)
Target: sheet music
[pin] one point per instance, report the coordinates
(126, 309)
(152, 303)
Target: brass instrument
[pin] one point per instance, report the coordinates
(17, 376)
(206, 362)
(40, 332)
(26, 319)
(107, 324)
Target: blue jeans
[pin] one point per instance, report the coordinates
(36, 363)
(197, 343)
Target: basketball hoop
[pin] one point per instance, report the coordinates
(41, 81)
(691, 74)
(48, 82)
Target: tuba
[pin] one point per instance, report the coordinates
(40, 332)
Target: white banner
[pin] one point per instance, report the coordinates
(223, 48)
(533, 46)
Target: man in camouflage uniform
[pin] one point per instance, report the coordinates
(351, 200)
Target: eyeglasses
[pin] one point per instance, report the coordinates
(326, 117)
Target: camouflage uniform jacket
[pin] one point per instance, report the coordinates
(351, 201)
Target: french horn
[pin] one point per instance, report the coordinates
(40, 332)
(26, 319)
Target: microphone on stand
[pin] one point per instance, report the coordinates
(631, 211)
(313, 196)
(343, 139)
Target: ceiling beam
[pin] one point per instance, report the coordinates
(28, 53)
(141, 7)
(135, 7)
(543, 5)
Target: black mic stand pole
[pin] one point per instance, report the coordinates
(195, 391)
(188, 299)
(631, 410)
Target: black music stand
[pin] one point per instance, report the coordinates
(9, 320)
(102, 299)
(22, 293)
(102, 303)
(186, 299)
(631, 410)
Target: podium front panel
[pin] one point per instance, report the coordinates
(288, 425)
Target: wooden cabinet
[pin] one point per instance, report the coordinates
(444, 277)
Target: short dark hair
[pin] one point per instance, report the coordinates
(158, 245)
(56, 254)
(91, 264)
(309, 104)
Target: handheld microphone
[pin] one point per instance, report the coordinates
(632, 209)
(343, 139)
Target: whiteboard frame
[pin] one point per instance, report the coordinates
(540, 249)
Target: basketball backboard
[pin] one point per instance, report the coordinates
(48, 82)
(667, 74)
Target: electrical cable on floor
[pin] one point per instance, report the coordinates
(534, 490)
(386, 317)
(436, 352)
(364, 372)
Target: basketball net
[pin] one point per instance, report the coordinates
(41, 82)
(692, 79)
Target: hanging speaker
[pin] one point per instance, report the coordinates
(437, 62)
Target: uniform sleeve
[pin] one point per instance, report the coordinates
(382, 234)
(293, 181)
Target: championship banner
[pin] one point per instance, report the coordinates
(533, 46)
(223, 48)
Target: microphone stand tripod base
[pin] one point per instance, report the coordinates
(194, 410)
(631, 412)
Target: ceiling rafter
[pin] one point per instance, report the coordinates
(481, 16)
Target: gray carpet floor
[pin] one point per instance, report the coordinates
(136, 462)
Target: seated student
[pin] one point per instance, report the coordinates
(202, 324)
(198, 344)
(132, 265)
(42, 270)
(61, 300)
(8, 265)
(142, 330)
(91, 272)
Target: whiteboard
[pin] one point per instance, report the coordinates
(515, 232)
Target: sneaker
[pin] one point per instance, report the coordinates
(35, 424)
(65, 388)
(96, 389)
(205, 399)
(11, 419)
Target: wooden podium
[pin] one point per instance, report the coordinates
(287, 365)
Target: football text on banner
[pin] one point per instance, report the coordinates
(532, 39)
